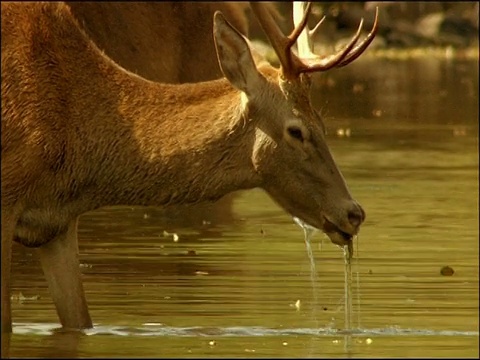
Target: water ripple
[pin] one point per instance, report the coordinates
(161, 330)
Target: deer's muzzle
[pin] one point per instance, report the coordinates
(342, 237)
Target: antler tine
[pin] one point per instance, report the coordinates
(304, 42)
(273, 32)
(314, 30)
(308, 61)
(326, 63)
(357, 51)
(281, 44)
(302, 24)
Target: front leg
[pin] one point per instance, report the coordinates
(60, 264)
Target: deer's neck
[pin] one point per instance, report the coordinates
(109, 137)
(158, 144)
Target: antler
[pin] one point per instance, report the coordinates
(304, 42)
(307, 61)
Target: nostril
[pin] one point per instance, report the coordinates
(356, 216)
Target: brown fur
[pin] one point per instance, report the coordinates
(79, 132)
(153, 38)
(149, 38)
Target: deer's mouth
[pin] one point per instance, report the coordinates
(336, 235)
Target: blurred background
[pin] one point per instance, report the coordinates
(403, 23)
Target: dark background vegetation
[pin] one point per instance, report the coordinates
(403, 23)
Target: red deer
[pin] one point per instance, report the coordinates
(79, 132)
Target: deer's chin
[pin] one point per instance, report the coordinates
(336, 235)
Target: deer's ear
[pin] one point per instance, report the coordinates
(235, 58)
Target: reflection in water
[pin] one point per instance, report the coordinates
(399, 93)
(226, 287)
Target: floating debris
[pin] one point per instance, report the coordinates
(174, 235)
(368, 341)
(296, 305)
(447, 271)
(22, 298)
(212, 343)
(459, 131)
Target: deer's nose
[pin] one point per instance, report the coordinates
(356, 215)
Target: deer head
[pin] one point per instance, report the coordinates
(289, 150)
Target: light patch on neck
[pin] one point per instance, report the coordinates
(243, 103)
(241, 113)
(236, 115)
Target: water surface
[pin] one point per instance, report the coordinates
(227, 287)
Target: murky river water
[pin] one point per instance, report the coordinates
(229, 285)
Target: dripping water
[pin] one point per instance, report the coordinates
(348, 277)
(347, 256)
(308, 232)
(357, 278)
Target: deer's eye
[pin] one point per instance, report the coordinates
(296, 133)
